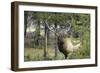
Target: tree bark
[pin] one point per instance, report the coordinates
(25, 23)
(45, 48)
(56, 47)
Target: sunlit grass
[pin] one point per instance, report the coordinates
(33, 54)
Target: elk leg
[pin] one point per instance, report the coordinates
(66, 56)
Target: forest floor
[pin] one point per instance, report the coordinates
(33, 54)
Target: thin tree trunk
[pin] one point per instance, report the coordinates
(25, 23)
(38, 33)
(56, 47)
(45, 48)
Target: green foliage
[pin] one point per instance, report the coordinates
(79, 23)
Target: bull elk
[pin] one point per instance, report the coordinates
(64, 41)
(66, 46)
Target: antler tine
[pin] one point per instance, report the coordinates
(69, 27)
(49, 27)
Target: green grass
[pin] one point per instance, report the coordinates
(37, 54)
(32, 54)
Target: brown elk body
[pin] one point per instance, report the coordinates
(66, 46)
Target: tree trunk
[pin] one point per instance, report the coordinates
(25, 23)
(38, 33)
(45, 48)
(56, 47)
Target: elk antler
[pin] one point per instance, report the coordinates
(53, 29)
